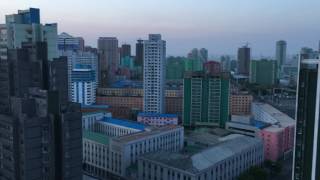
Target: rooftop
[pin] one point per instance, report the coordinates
(125, 123)
(199, 159)
(146, 114)
(94, 107)
(283, 119)
(147, 133)
(97, 137)
(127, 84)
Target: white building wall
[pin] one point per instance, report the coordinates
(154, 74)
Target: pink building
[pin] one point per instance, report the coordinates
(278, 140)
(212, 67)
(155, 119)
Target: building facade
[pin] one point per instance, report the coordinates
(263, 72)
(244, 57)
(281, 55)
(307, 142)
(25, 27)
(154, 74)
(224, 161)
(108, 60)
(206, 100)
(240, 103)
(154, 119)
(84, 85)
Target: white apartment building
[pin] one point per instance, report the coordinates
(154, 74)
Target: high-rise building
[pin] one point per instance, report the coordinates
(3, 41)
(206, 99)
(263, 72)
(307, 140)
(25, 27)
(244, 58)
(125, 51)
(154, 74)
(138, 60)
(212, 67)
(308, 53)
(225, 62)
(59, 78)
(139, 53)
(281, 55)
(66, 42)
(108, 60)
(175, 68)
(203, 55)
(84, 85)
(40, 134)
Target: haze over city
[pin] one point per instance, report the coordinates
(219, 26)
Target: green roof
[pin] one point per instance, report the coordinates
(98, 137)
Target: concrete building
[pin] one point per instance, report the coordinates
(3, 42)
(154, 119)
(226, 160)
(67, 42)
(307, 137)
(154, 74)
(212, 67)
(115, 157)
(268, 114)
(263, 72)
(244, 58)
(118, 127)
(245, 125)
(240, 103)
(175, 68)
(89, 119)
(108, 60)
(125, 51)
(84, 85)
(279, 137)
(133, 98)
(203, 54)
(25, 27)
(59, 78)
(281, 55)
(206, 100)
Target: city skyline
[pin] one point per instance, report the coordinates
(211, 25)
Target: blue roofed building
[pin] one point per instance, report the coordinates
(156, 119)
(118, 127)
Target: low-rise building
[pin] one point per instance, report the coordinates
(90, 118)
(225, 160)
(155, 119)
(251, 128)
(111, 153)
(279, 137)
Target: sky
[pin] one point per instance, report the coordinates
(221, 26)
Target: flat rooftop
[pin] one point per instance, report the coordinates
(97, 137)
(150, 132)
(124, 123)
(144, 114)
(195, 159)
